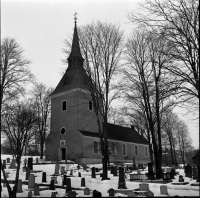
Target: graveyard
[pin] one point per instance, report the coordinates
(51, 179)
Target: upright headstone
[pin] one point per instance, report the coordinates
(163, 190)
(62, 170)
(31, 181)
(8, 160)
(71, 193)
(36, 189)
(56, 172)
(115, 171)
(36, 160)
(121, 182)
(111, 192)
(71, 172)
(111, 170)
(30, 194)
(25, 162)
(150, 171)
(86, 191)
(188, 171)
(83, 182)
(27, 172)
(96, 193)
(52, 187)
(4, 163)
(19, 186)
(93, 172)
(195, 173)
(44, 177)
(79, 174)
(64, 180)
(173, 173)
(150, 194)
(30, 163)
(69, 188)
(55, 179)
(53, 194)
(181, 178)
(134, 165)
(144, 187)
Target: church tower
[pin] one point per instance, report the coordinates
(71, 109)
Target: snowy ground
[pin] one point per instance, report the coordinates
(92, 183)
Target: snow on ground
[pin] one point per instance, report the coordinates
(94, 183)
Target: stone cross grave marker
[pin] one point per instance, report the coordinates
(30, 163)
(19, 186)
(31, 181)
(36, 189)
(86, 191)
(163, 190)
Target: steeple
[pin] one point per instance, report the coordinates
(75, 58)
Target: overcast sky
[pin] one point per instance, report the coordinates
(40, 27)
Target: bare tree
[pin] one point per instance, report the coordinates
(178, 22)
(18, 127)
(42, 103)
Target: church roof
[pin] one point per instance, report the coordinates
(116, 132)
(75, 76)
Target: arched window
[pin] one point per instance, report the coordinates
(96, 147)
(62, 131)
(64, 105)
(90, 105)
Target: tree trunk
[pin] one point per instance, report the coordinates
(41, 148)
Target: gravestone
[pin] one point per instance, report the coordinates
(68, 188)
(44, 177)
(64, 180)
(79, 174)
(71, 172)
(188, 171)
(173, 173)
(36, 189)
(4, 163)
(83, 182)
(52, 187)
(30, 194)
(163, 190)
(55, 179)
(53, 194)
(96, 193)
(12, 164)
(27, 172)
(195, 173)
(93, 172)
(86, 191)
(150, 194)
(36, 160)
(30, 163)
(150, 171)
(8, 160)
(25, 162)
(181, 178)
(111, 170)
(62, 170)
(111, 192)
(144, 187)
(19, 186)
(198, 170)
(121, 182)
(134, 165)
(72, 194)
(140, 166)
(31, 181)
(56, 172)
(115, 171)
(131, 194)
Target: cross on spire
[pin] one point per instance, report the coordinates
(75, 18)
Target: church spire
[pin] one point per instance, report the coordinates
(75, 51)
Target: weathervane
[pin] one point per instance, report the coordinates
(75, 18)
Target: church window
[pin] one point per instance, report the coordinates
(62, 131)
(146, 151)
(90, 105)
(96, 147)
(136, 150)
(124, 149)
(64, 105)
(113, 148)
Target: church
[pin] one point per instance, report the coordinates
(74, 130)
